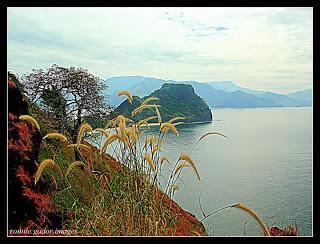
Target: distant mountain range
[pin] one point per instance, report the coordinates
(224, 94)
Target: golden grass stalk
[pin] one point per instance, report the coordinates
(205, 135)
(102, 131)
(127, 94)
(261, 223)
(150, 118)
(195, 232)
(167, 126)
(132, 133)
(151, 140)
(175, 188)
(73, 165)
(158, 115)
(30, 119)
(44, 164)
(175, 119)
(83, 128)
(109, 141)
(122, 127)
(121, 119)
(180, 167)
(164, 159)
(142, 107)
(142, 122)
(191, 162)
(156, 149)
(150, 161)
(149, 99)
(55, 135)
(83, 146)
(178, 123)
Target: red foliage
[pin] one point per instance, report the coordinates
(11, 84)
(23, 176)
(20, 137)
(42, 202)
(290, 230)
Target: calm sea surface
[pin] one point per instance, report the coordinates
(265, 163)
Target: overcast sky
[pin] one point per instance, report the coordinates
(258, 48)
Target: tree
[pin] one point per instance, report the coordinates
(69, 95)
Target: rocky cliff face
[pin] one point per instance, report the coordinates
(176, 100)
(29, 206)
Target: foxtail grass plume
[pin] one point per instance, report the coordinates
(175, 188)
(109, 141)
(149, 99)
(261, 223)
(55, 135)
(191, 162)
(127, 94)
(164, 159)
(73, 165)
(30, 119)
(83, 128)
(44, 164)
(180, 167)
(102, 131)
(167, 126)
(150, 161)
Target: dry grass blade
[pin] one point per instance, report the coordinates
(164, 159)
(55, 135)
(150, 118)
(102, 131)
(205, 135)
(30, 119)
(44, 164)
(180, 167)
(142, 122)
(142, 107)
(156, 149)
(261, 223)
(175, 119)
(122, 127)
(175, 188)
(191, 162)
(195, 232)
(109, 141)
(127, 94)
(167, 126)
(158, 115)
(82, 146)
(150, 161)
(149, 99)
(83, 128)
(73, 165)
(132, 133)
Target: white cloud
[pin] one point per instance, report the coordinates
(260, 48)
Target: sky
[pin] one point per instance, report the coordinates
(259, 48)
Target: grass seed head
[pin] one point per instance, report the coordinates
(127, 94)
(30, 119)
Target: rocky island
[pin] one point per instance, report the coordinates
(176, 100)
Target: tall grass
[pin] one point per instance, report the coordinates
(115, 189)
